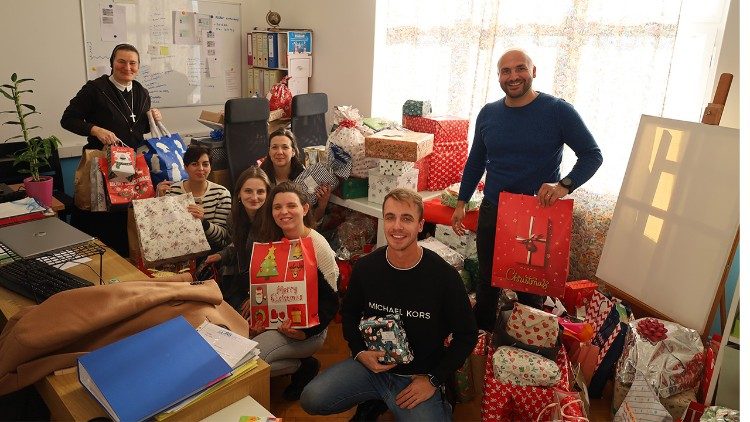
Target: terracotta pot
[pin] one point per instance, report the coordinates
(41, 190)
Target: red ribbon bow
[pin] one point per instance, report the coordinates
(347, 123)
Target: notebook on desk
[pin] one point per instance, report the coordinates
(40, 236)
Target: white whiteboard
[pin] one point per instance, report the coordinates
(191, 51)
(676, 218)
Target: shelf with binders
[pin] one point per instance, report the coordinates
(273, 54)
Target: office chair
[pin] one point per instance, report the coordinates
(245, 133)
(309, 119)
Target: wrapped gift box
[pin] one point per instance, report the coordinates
(315, 154)
(449, 255)
(417, 108)
(379, 184)
(532, 245)
(394, 167)
(423, 166)
(435, 212)
(398, 145)
(353, 187)
(446, 164)
(576, 292)
(386, 334)
(167, 231)
(445, 128)
(466, 245)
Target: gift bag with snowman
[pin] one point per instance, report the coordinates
(163, 152)
(120, 162)
(284, 283)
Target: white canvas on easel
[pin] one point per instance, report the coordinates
(676, 218)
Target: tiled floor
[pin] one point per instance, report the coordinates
(335, 349)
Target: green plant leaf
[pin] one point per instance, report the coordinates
(25, 90)
(8, 96)
(13, 137)
(13, 77)
(33, 127)
(12, 122)
(31, 112)
(23, 80)
(29, 106)
(9, 86)
(8, 111)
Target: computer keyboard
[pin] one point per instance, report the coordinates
(37, 280)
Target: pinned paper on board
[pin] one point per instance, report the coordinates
(112, 22)
(183, 28)
(213, 67)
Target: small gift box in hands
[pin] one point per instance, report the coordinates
(387, 334)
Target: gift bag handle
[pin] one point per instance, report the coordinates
(164, 130)
(155, 133)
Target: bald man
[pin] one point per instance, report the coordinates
(519, 141)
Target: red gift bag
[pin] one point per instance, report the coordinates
(284, 283)
(120, 161)
(532, 245)
(281, 97)
(123, 191)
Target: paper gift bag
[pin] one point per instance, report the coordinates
(120, 162)
(98, 197)
(163, 152)
(284, 283)
(641, 404)
(166, 230)
(532, 245)
(82, 178)
(123, 191)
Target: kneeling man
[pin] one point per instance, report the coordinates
(428, 295)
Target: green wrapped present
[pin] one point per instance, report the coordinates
(353, 187)
(472, 266)
(377, 124)
(417, 108)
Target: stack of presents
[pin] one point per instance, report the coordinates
(544, 364)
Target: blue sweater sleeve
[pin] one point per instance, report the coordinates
(578, 137)
(475, 164)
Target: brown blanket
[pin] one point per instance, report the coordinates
(42, 338)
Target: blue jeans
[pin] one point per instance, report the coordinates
(348, 383)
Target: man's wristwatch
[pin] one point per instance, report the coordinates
(567, 183)
(434, 381)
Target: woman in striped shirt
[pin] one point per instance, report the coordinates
(212, 201)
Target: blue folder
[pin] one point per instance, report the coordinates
(150, 371)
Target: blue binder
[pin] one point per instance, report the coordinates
(273, 50)
(150, 371)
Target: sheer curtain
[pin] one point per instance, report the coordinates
(612, 60)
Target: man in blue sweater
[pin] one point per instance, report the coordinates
(519, 141)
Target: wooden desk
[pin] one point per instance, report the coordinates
(57, 206)
(67, 399)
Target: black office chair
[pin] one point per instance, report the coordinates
(309, 119)
(245, 133)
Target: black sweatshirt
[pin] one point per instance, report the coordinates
(431, 301)
(99, 103)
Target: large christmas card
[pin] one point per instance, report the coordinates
(284, 283)
(532, 245)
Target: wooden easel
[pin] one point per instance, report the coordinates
(711, 116)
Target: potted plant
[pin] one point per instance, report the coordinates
(37, 151)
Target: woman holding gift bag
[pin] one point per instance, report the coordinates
(283, 164)
(250, 193)
(212, 201)
(108, 109)
(289, 350)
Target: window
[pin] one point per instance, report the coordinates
(612, 60)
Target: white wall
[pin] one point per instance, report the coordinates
(729, 62)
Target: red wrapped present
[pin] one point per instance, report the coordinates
(576, 292)
(423, 166)
(445, 128)
(435, 212)
(509, 402)
(446, 164)
(532, 245)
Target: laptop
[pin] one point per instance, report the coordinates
(40, 236)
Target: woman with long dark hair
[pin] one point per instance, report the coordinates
(289, 350)
(250, 193)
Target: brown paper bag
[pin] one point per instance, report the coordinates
(82, 178)
(134, 246)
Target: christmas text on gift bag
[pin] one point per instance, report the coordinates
(532, 245)
(284, 283)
